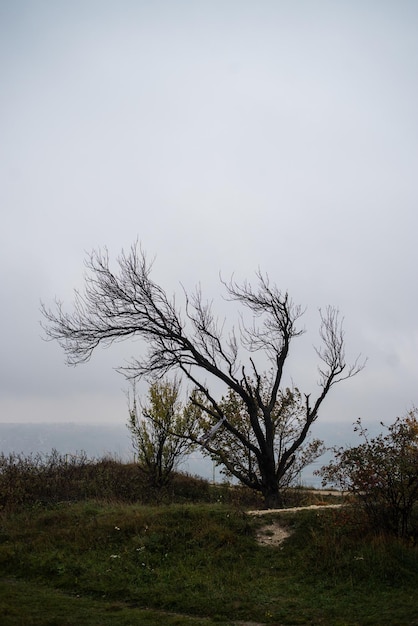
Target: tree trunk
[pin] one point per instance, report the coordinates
(269, 485)
(272, 497)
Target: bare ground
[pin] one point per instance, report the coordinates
(272, 533)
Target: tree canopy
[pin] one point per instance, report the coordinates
(238, 458)
(161, 429)
(128, 303)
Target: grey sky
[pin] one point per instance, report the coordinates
(225, 136)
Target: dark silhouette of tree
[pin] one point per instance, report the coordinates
(116, 306)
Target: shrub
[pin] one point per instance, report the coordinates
(51, 478)
(383, 473)
(160, 432)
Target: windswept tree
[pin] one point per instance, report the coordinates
(162, 430)
(128, 303)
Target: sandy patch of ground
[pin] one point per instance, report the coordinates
(272, 533)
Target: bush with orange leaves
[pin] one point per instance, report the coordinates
(382, 472)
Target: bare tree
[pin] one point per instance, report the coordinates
(115, 306)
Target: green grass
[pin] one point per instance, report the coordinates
(28, 604)
(194, 564)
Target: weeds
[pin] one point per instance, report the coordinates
(204, 560)
(193, 555)
(52, 478)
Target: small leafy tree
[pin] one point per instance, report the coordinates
(236, 451)
(160, 431)
(382, 472)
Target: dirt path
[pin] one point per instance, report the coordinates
(272, 533)
(295, 508)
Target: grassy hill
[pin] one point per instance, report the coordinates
(194, 559)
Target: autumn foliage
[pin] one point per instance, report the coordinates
(382, 472)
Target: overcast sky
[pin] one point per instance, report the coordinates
(226, 136)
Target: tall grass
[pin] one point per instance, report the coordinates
(51, 478)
